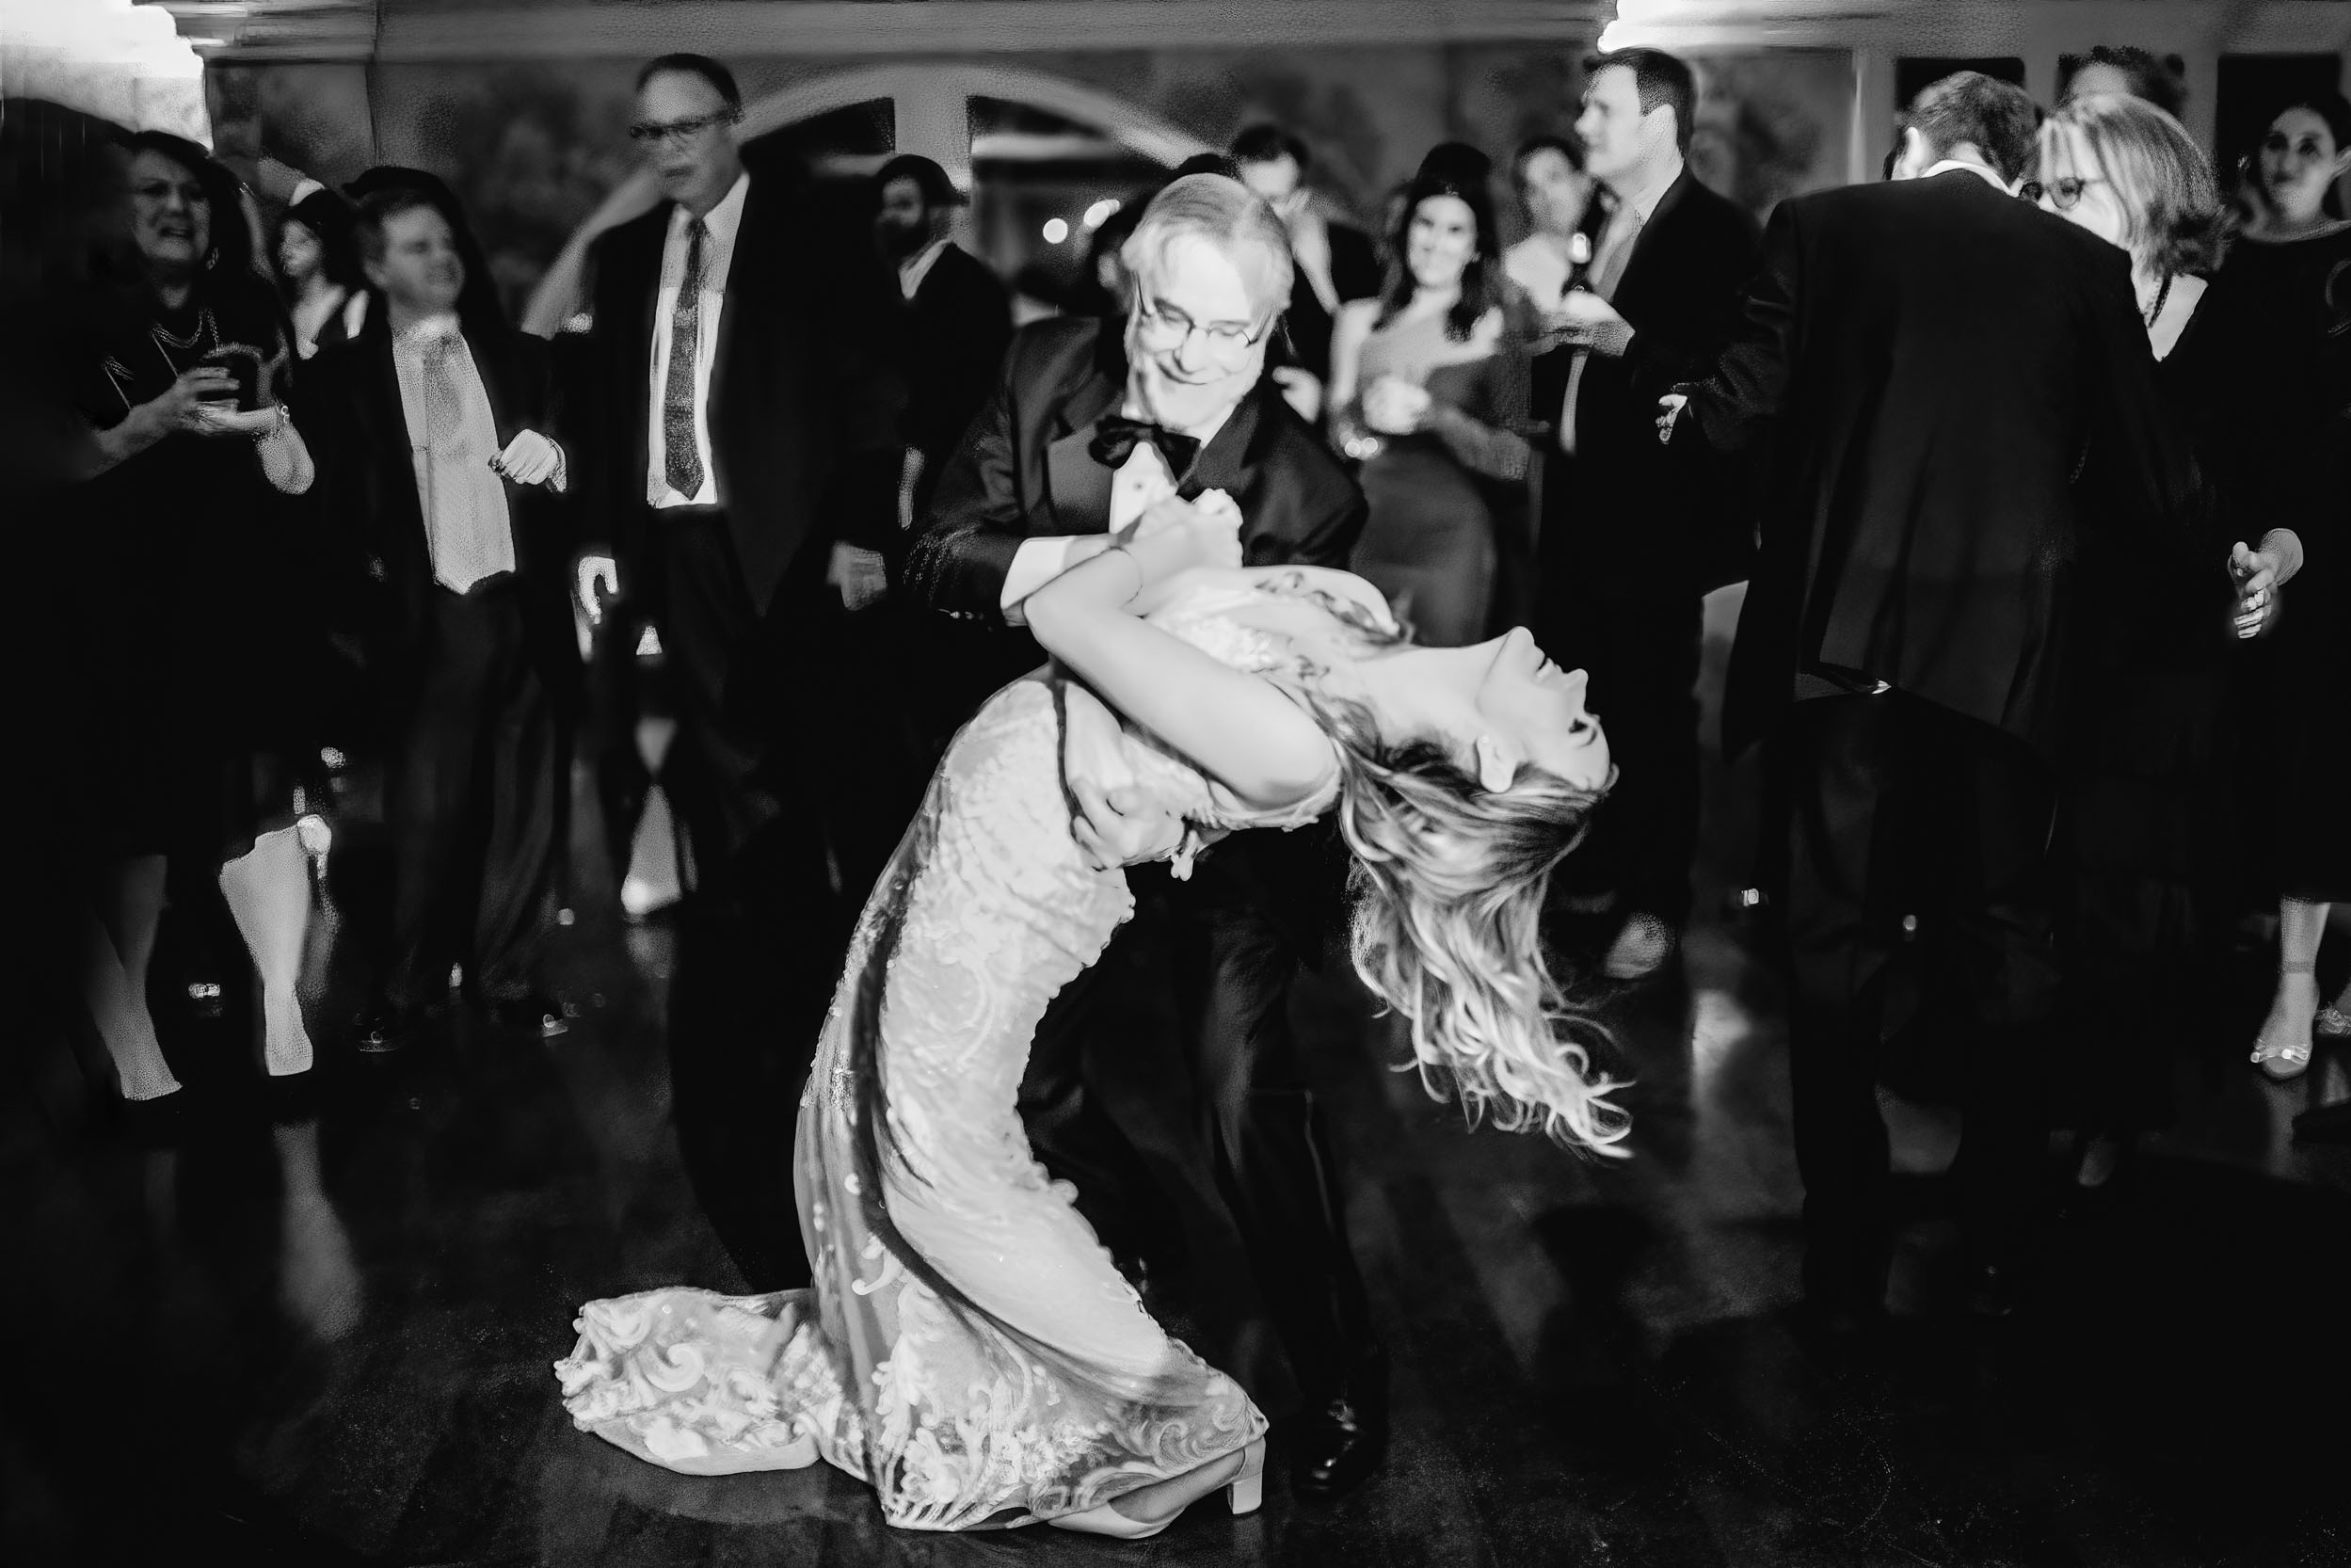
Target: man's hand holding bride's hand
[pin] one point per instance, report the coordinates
(1175, 534)
(1117, 822)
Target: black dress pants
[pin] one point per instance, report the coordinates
(1641, 646)
(1896, 807)
(470, 801)
(1233, 954)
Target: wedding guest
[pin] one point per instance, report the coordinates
(201, 596)
(1429, 388)
(439, 460)
(2128, 69)
(959, 313)
(1556, 194)
(1630, 542)
(2146, 811)
(1334, 262)
(1899, 646)
(2297, 254)
(318, 272)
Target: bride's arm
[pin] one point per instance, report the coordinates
(1239, 730)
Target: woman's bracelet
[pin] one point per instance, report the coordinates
(277, 427)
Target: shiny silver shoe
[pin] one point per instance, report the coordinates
(2332, 1023)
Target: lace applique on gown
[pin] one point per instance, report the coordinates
(967, 1348)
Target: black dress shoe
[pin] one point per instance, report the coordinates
(1334, 1446)
(541, 1016)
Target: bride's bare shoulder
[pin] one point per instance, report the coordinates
(1329, 580)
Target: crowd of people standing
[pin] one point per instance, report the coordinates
(2047, 641)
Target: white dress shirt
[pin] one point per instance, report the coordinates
(1539, 264)
(718, 253)
(1977, 169)
(912, 271)
(1141, 482)
(463, 501)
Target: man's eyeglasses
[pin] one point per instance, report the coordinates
(1160, 327)
(2065, 194)
(647, 132)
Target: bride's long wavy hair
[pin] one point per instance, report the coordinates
(1447, 887)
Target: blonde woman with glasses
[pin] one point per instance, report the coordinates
(2150, 790)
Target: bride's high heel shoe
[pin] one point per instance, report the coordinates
(2282, 1062)
(1244, 1494)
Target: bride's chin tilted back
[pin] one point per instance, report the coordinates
(1448, 887)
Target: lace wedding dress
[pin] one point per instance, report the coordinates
(967, 1348)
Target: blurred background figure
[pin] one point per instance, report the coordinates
(318, 272)
(1334, 260)
(1555, 196)
(1428, 393)
(2131, 72)
(959, 314)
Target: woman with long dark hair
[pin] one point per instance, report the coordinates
(191, 604)
(1428, 387)
(318, 272)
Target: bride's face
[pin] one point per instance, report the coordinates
(1503, 704)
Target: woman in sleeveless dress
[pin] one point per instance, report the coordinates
(968, 1349)
(1427, 388)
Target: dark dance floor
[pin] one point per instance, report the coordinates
(325, 1337)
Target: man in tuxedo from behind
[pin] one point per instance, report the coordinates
(742, 463)
(1097, 426)
(1955, 386)
(434, 443)
(1629, 543)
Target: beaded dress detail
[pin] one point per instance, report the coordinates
(968, 1347)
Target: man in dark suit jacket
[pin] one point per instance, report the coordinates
(959, 313)
(434, 444)
(1098, 427)
(1629, 543)
(1333, 263)
(744, 487)
(1956, 385)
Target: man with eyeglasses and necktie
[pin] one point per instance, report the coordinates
(744, 465)
(1098, 428)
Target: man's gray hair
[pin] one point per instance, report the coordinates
(1228, 216)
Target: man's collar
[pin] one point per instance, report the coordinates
(424, 330)
(1204, 434)
(1643, 198)
(918, 267)
(1980, 171)
(722, 220)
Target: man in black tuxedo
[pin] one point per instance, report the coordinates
(434, 445)
(740, 454)
(1629, 544)
(959, 313)
(1098, 427)
(1955, 386)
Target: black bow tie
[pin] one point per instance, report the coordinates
(1116, 436)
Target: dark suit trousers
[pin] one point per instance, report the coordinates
(710, 646)
(470, 803)
(1262, 1136)
(1640, 644)
(1897, 806)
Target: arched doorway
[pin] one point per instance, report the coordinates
(1021, 141)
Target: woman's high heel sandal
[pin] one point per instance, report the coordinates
(2281, 1063)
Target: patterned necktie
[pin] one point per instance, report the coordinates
(682, 458)
(1116, 437)
(462, 553)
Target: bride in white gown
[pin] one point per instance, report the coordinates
(968, 1347)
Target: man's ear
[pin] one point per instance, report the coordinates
(1498, 764)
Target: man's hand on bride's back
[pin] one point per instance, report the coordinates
(1117, 822)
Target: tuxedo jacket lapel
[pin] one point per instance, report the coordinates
(1225, 462)
(1077, 487)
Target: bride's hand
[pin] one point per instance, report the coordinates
(1179, 535)
(1117, 822)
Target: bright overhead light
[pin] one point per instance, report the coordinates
(123, 62)
(1056, 230)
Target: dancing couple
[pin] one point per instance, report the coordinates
(969, 1347)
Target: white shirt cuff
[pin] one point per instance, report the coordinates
(1036, 563)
